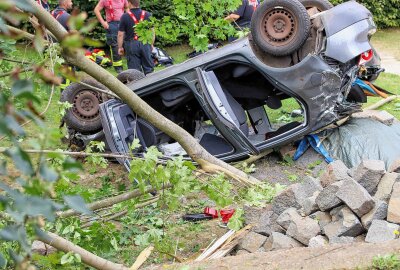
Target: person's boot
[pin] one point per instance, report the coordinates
(119, 69)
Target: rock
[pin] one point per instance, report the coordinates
(381, 231)
(393, 214)
(318, 241)
(355, 197)
(327, 199)
(335, 171)
(341, 240)
(287, 217)
(382, 116)
(280, 241)
(252, 242)
(395, 166)
(42, 248)
(267, 224)
(323, 218)
(345, 223)
(360, 238)
(369, 173)
(303, 229)
(309, 205)
(241, 252)
(285, 199)
(306, 189)
(378, 212)
(385, 186)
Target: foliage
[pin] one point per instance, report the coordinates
(386, 262)
(386, 12)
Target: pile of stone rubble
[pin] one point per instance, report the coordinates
(342, 206)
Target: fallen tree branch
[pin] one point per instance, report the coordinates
(87, 257)
(20, 32)
(111, 201)
(15, 61)
(6, 74)
(382, 102)
(99, 90)
(121, 213)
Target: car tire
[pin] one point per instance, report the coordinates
(280, 27)
(130, 75)
(84, 116)
(321, 5)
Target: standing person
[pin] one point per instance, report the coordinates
(61, 12)
(114, 10)
(44, 4)
(242, 16)
(137, 53)
(62, 16)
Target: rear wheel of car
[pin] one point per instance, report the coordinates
(84, 116)
(280, 27)
(130, 75)
(321, 5)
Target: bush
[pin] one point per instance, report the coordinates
(386, 12)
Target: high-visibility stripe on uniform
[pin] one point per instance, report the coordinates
(117, 63)
(253, 3)
(136, 21)
(56, 15)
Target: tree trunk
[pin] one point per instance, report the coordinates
(76, 57)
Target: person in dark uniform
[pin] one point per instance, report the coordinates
(44, 4)
(114, 10)
(137, 54)
(242, 16)
(61, 12)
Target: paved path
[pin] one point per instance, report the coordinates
(391, 64)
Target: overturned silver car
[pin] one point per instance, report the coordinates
(293, 75)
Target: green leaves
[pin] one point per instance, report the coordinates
(78, 204)
(219, 189)
(236, 221)
(48, 173)
(3, 261)
(21, 160)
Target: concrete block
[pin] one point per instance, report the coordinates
(342, 240)
(267, 224)
(395, 166)
(323, 218)
(318, 241)
(285, 199)
(309, 205)
(369, 173)
(355, 197)
(345, 223)
(288, 216)
(327, 199)
(306, 189)
(393, 214)
(385, 186)
(378, 212)
(335, 171)
(303, 229)
(252, 242)
(280, 241)
(381, 231)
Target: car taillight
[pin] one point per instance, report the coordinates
(365, 57)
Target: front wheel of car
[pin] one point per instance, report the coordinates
(130, 75)
(280, 27)
(321, 5)
(84, 116)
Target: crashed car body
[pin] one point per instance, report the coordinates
(239, 100)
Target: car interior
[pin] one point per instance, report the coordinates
(249, 101)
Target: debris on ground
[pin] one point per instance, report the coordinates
(342, 206)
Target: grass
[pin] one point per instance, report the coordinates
(388, 40)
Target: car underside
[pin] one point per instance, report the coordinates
(243, 98)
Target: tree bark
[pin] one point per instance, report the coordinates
(76, 57)
(87, 257)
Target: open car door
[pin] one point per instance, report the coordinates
(227, 110)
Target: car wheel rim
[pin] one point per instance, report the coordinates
(86, 105)
(278, 26)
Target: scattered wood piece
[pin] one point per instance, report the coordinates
(215, 246)
(231, 243)
(143, 256)
(382, 102)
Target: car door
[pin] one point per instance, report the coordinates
(220, 111)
